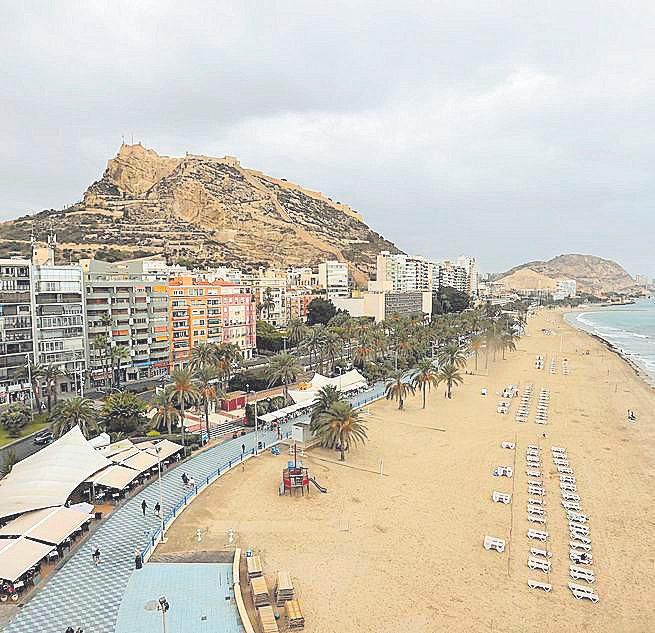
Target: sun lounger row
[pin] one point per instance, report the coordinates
(510, 391)
(580, 553)
(539, 362)
(565, 367)
(553, 366)
(543, 404)
(524, 406)
(503, 407)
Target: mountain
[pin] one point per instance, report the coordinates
(593, 275)
(202, 210)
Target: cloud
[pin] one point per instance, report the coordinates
(511, 131)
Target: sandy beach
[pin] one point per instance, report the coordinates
(403, 551)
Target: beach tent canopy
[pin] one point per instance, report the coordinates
(162, 450)
(141, 461)
(114, 476)
(48, 477)
(51, 525)
(18, 555)
(346, 382)
(116, 448)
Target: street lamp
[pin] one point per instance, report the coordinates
(161, 494)
(254, 393)
(29, 378)
(159, 605)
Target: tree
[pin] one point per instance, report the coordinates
(314, 342)
(206, 379)
(166, 414)
(297, 331)
(476, 344)
(448, 300)
(267, 303)
(340, 425)
(453, 354)
(9, 460)
(119, 354)
(74, 412)
(397, 388)
(320, 311)
(332, 345)
(324, 399)
(100, 346)
(283, 369)
(49, 376)
(14, 418)
(123, 413)
(184, 392)
(425, 377)
(34, 371)
(451, 376)
(203, 354)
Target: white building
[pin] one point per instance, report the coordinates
(333, 278)
(566, 288)
(472, 273)
(453, 276)
(381, 305)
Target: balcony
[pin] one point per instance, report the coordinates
(14, 297)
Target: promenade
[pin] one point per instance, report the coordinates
(81, 594)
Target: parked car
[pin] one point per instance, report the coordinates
(43, 437)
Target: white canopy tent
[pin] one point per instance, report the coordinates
(100, 441)
(48, 477)
(350, 381)
(115, 476)
(51, 525)
(18, 555)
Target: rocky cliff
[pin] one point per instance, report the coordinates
(594, 275)
(203, 210)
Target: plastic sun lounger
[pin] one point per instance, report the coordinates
(501, 497)
(503, 471)
(571, 505)
(541, 421)
(535, 501)
(569, 496)
(580, 545)
(495, 543)
(558, 449)
(579, 592)
(536, 491)
(577, 516)
(541, 565)
(533, 518)
(583, 539)
(540, 552)
(533, 473)
(581, 557)
(533, 447)
(579, 574)
(509, 445)
(535, 584)
(537, 535)
(576, 531)
(569, 479)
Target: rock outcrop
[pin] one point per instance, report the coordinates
(202, 210)
(593, 275)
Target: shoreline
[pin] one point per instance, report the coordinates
(641, 373)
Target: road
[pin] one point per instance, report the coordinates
(23, 448)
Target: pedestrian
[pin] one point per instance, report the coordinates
(158, 509)
(192, 483)
(243, 449)
(185, 480)
(96, 556)
(79, 630)
(144, 506)
(70, 630)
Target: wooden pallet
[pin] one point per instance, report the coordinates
(259, 592)
(267, 620)
(294, 615)
(283, 589)
(254, 564)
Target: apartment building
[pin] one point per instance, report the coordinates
(334, 279)
(472, 273)
(302, 278)
(126, 306)
(59, 322)
(269, 287)
(209, 312)
(16, 329)
(297, 303)
(453, 276)
(381, 305)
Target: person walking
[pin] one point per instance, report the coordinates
(185, 480)
(243, 449)
(70, 629)
(144, 507)
(158, 510)
(96, 556)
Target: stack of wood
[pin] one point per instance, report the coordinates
(294, 615)
(254, 567)
(283, 589)
(259, 591)
(267, 619)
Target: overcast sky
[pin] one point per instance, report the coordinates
(508, 130)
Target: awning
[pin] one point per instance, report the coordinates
(116, 447)
(164, 449)
(18, 555)
(114, 476)
(100, 440)
(119, 458)
(141, 462)
(48, 477)
(51, 525)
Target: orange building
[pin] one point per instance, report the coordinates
(209, 312)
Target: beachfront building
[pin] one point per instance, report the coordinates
(16, 329)
(469, 264)
(381, 305)
(209, 312)
(126, 306)
(454, 276)
(565, 289)
(333, 278)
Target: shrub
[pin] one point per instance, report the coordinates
(14, 418)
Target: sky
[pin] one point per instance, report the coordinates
(511, 131)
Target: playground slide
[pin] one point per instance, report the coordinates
(318, 486)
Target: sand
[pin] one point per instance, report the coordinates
(403, 551)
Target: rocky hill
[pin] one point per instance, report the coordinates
(202, 210)
(593, 275)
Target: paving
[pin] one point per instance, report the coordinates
(83, 594)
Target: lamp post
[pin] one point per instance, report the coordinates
(29, 378)
(159, 605)
(161, 494)
(254, 393)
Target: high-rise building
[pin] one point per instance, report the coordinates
(126, 307)
(472, 273)
(453, 276)
(16, 329)
(269, 287)
(333, 278)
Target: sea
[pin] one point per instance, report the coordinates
(629, 328)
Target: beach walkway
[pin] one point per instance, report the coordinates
(81, 594)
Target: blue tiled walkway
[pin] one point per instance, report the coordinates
(82, 594)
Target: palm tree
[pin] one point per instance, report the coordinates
(451, 376)
(314, 340)
(398, 389)
(166, 413)
(74, 412)
(119, 354)
(284, 369)
(425, 377)
(35, 372)
(226, 356)
(203, 354)
(267, 303)
(184, 392)
(364, 351)
(49, 376)
(332, 345)
(325, 397)
(297, 331)
(100, 345)
(476, 344)
(207, 378)
(453, 354)
(340, 425)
